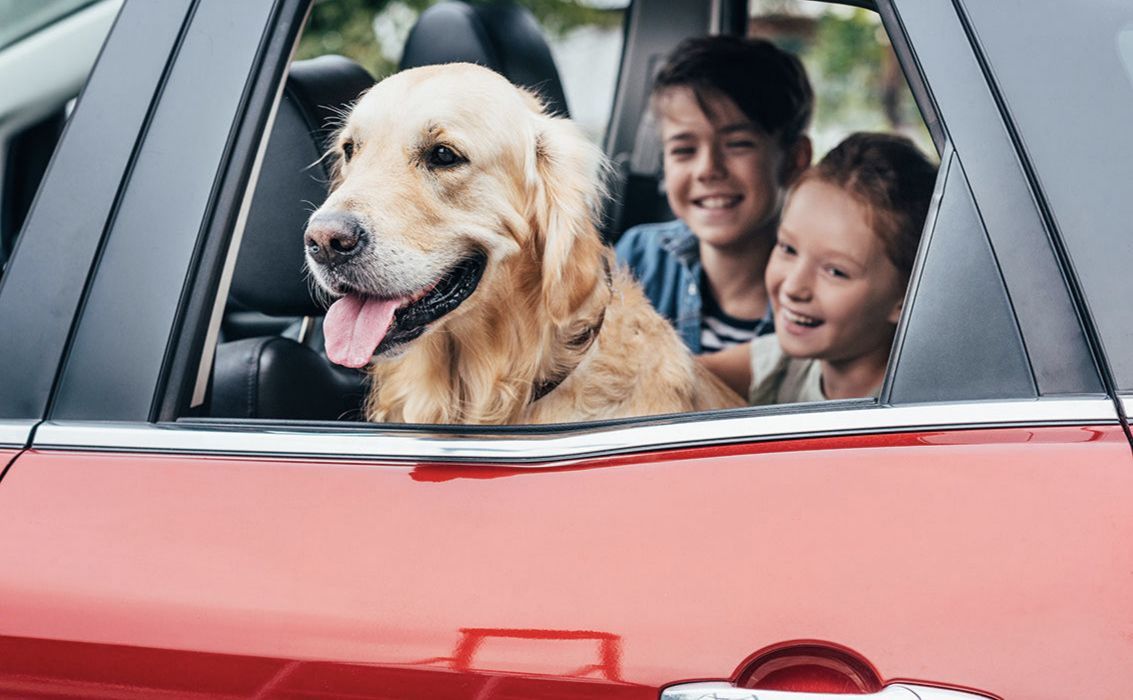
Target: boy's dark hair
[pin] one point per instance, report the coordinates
(892, 178)
(768, 84)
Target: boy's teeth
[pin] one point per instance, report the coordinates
(718, 202)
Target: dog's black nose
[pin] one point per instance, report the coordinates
(332, 238)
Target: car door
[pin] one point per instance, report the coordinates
(961, 532)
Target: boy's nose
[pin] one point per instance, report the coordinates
(711, 165)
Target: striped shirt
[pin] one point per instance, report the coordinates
(718, 330)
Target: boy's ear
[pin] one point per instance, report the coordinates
(796, 160)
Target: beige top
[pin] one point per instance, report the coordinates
(779, 378)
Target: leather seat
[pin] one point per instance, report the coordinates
(502, 36)
(273, 375)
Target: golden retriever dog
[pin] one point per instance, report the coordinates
(460, 239)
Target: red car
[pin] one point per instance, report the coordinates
(181, 515)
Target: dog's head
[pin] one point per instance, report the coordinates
(453, 187)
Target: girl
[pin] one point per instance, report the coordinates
(837, 275)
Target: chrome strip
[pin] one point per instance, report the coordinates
(15, 433)
(1126, 404)
(532, 446)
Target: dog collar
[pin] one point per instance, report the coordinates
(580, 342)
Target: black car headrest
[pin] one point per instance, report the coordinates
(269, 275)
(502, 36)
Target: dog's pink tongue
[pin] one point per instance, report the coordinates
(354, 327)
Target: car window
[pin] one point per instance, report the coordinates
(1082, 75)
(19, 19)
(856, 75)
(46, 52)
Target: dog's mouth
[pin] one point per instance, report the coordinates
(361, 325)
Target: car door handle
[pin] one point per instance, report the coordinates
(717, 690)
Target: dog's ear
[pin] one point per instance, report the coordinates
(565, 203)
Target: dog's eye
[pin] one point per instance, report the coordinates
(347, 151)
(443, 157)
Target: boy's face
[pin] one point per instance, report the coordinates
(836, 294)
(724, 177)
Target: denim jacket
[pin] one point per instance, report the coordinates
(665, 259)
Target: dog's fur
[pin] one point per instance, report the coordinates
(527, 196)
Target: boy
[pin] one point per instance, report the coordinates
(732, 113)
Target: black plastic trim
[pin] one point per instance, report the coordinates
(46, 276)
(1060, 356)
(1070, 275)
(118, 354)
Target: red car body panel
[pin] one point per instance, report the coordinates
(131, 575)
(6, 456)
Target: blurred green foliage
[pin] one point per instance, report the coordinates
(346, 27)
(857, 82)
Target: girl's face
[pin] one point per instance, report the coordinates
(724, 177)
(836, 294)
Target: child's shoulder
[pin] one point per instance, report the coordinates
(661, 233)
(668, 236)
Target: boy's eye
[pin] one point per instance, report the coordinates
(682, 151)
(741, 144)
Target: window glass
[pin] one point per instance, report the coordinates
(265, 325)
(47, 50)
(858, 83)
(1072, 103)
(585, 39)
(21, 18)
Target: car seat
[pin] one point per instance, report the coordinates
(502, 36)
(274, 375)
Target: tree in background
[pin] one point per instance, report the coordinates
(857, 81)
(347, 27)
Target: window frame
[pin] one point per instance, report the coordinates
(152, 424)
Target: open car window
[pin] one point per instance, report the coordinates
(857, 79)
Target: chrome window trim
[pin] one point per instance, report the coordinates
(15, 433)
(558, 444)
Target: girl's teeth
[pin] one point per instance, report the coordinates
(800, 319)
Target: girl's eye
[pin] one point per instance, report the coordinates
(443, 157)
(347, 151)
(786, 248)
(838, 273)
